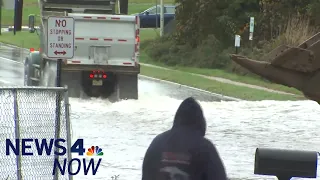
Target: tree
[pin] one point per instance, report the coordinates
(197, 19)
(313, 11)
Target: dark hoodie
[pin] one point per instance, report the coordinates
(183, 153)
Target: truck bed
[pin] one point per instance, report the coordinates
(107, 40)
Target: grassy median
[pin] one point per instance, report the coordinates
(183, 76)
(227, 75)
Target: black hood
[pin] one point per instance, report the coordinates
(189, 114)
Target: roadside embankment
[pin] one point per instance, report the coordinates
(208, 83)
(213, 80)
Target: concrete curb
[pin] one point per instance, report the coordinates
(220, 96)
(12, 46)
(11, 28)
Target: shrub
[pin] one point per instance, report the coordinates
(211, 53)
(208, 54)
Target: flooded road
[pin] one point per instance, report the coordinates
(125, 129)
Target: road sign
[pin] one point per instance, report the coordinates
(60, 34)
(251, 24)
(237, 41)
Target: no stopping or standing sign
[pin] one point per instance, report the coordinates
(60, 37)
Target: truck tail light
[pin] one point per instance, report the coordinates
(137, 44)
(98, 74)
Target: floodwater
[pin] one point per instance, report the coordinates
(125, 129)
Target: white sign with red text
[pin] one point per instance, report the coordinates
(60, 34)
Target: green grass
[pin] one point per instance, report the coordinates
(185, 78)
(31, 7)
(214, 86)
(22, 39)
(148, 34)
(227, 75)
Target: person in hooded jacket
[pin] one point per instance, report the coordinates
(183, 153)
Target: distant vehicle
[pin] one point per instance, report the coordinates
(150, 18)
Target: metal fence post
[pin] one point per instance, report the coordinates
(68, 127)
(17, 131)
(58, 109)
(57, 126)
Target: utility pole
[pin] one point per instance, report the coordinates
(15, 17)
(18, 6)
(118, 2)
(161, 18)
(157, 14)
(19, 15)
(1, 4)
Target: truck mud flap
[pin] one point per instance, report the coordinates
(73, 81)
(126, 87)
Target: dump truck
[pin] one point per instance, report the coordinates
(297, 67)
(106, 51)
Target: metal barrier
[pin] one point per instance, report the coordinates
(36, 113)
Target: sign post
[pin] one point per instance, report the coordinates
(251, 31)
(1, 15)
(251, 28)
(60, 43)
(161, 18)
(237, 42)
(15, 17)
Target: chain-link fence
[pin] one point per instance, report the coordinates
(33, 112)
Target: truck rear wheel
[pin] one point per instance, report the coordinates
(127, 86)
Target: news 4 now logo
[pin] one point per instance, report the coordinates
(48, 147)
